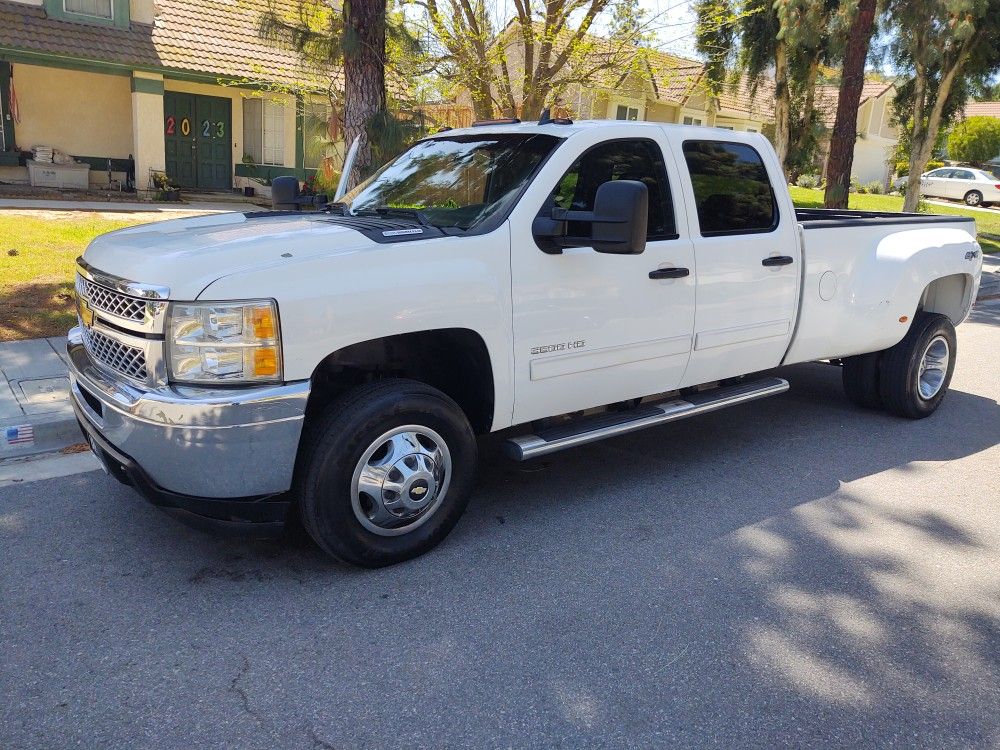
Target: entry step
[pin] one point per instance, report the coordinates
(611, 424)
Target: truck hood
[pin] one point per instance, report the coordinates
(186, 255)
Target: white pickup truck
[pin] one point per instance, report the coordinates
(564, 282)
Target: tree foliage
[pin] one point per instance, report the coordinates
(518, 67)
(950, 48)
(975, 140)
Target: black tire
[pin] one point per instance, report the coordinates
(334, 443)
(973, 198)
(900, 372)
(861, 380)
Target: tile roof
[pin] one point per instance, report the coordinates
(740, 96)
(215, 38)
(982, 109)
(828, 94)
(673, 77)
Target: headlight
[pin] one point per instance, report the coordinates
(228, 342)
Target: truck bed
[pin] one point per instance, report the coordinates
(835, 217)
(864, 272)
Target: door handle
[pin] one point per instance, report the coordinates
(669, 273)
(777, 260)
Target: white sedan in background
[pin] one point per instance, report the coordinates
(974, 186)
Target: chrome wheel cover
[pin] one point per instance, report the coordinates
(401, 480)
(933, 367)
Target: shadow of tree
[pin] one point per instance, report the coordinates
(789, 572)
(36, 310)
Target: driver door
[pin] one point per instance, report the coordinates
(593, 328)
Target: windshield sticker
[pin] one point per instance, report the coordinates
(398, 232)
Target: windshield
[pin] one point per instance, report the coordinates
(455, 182)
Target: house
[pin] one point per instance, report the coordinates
(877, 135)
(662, 87)
(669, 88)
(182, 86)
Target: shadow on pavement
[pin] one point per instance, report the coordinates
(716, 580)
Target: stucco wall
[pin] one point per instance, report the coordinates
(84, 114)
(870, 159)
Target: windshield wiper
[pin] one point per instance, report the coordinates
(404, 213)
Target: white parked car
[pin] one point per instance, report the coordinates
(561, 282)
(976, 187)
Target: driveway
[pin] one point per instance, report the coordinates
(793, 572)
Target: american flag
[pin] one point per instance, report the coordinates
(20, 435)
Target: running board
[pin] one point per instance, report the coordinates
(612, 424)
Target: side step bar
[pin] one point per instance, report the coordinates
(612, 424)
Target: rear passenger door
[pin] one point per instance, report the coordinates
(747, 257)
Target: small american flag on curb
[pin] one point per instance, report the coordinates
(22, 435)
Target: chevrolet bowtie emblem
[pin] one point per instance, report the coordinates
(418, 491)
(86, 314)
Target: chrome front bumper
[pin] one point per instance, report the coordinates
(200, 442)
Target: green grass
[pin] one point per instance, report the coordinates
(986, 223)
(37, 261)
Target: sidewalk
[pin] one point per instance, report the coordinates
(35, 412)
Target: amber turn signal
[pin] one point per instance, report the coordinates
(265, 361)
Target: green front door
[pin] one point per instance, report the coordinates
(198, 140)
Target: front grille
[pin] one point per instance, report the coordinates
(111, 302)
(130, 361)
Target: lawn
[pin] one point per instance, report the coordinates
(37, 255)
(987, 223)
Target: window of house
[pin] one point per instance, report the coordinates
(639, 159)
(724, 127)
(732, 191)
(625, 112)
(93, 8)
(264, 131)
(692, 121)
(752, 130)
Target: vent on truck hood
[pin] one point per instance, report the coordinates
(386, 228)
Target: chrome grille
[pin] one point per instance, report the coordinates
(110, 301)
(130, 361)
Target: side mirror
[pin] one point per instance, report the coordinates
(617, 223)
(621, 210)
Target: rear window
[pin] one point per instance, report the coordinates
(732, 191)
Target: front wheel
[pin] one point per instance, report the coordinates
(385, 472)
(915, 373)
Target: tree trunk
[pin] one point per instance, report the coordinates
(482, 100)
(845, 127)
(922, 143)
(364, 77)
(782, 103)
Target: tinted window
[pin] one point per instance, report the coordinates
(940, 173)
(732, 191)
(639, 160)
(963, 174)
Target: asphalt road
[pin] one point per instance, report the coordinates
(790, 572)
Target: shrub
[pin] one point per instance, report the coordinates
(903, 167)
(874, 188)
(855, 185)
(975, 140)
(809, 181)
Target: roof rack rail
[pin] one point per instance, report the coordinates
(548, 119)
(498, 121)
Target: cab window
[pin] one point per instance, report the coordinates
(732, 191)
(635, 159)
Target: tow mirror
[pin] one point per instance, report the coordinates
(617, 223)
